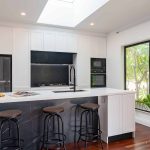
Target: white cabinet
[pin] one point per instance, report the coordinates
(6, 40)
(53, 41)
(36, 40)
(21, 60)
(117, 113)
(115, 118)
(71, 42)
(66, 42)
(98, 47)
(128, 113)
(83, 61)
(60, 41)
(49, 41)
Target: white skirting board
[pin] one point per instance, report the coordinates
(142, 118)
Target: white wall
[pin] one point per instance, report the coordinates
(18, 41)
(115, 59)
(115, 47)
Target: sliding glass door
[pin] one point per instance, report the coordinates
(137, 69)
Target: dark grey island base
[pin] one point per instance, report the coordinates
(31, 121)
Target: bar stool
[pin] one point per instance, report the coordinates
(53, 133)
(88, 120)
(7, 139)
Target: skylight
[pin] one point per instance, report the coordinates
(68, 13)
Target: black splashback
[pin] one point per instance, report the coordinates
(50, 68)
(43, 57)
(49, 75)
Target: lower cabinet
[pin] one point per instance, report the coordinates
(117, 114)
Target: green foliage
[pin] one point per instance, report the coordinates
(144, 101)
(137, 68)
(137, 58)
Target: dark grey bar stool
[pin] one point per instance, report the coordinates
(88, 130)
(8, 121)
(53, 132)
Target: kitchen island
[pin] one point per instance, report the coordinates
(116, 112)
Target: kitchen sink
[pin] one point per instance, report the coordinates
(64, 91)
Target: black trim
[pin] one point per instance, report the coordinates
(125, 47)
(125, 67)
(125, 78)
(120, 137)
(147, 41)
(10, 56)
(148, 111)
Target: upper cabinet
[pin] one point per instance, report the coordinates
(71, 42)
(49, 41)
(66, 42)
(6, 40)
(98, 47)
(53, 41)
(37, 40)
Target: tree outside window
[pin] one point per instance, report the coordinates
(137, 70)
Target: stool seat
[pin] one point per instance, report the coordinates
(53, 109)
(92, 106)
(10, 113)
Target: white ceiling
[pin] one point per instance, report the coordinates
(115, 15)
(10, 10)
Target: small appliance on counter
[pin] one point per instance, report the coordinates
(98, 72)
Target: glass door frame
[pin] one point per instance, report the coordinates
(125, 79)
(9, 56)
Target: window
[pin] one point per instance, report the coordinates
(137, 64)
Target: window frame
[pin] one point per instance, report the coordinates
(125, 47)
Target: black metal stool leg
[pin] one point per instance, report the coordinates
(59, 138)
(1, 124)
(63, 142)
(50, 117)
(18, 134)
(75, 132)
(80, 131)
(9, 128)
(86, 127)
(44, 131)
(99, 129)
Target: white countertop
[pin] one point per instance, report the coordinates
(50, 95)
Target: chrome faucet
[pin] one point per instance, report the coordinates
(74, 77)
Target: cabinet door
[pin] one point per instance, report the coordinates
(21, 60)
(98, 47)
(66, 42)
(49, 41)
(83, 61)
(36, 40)
(128, 101)
(114, 115)
(6, 40)
(71, 42)
(60, 41)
